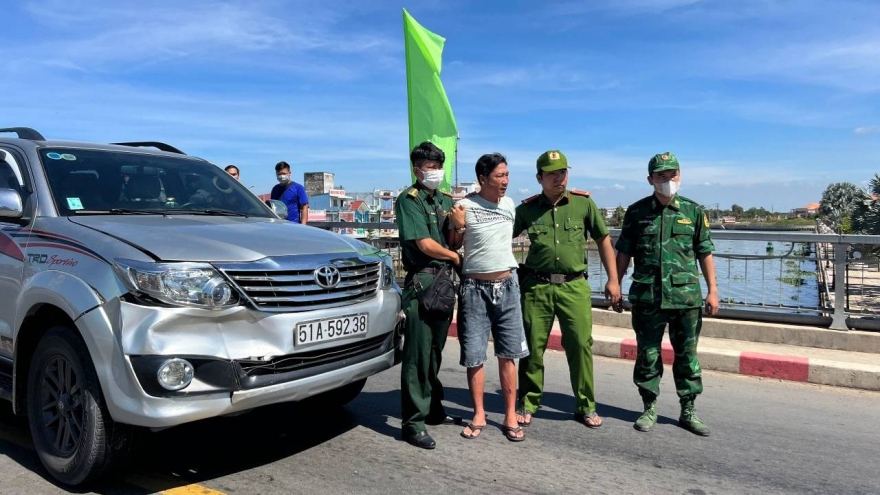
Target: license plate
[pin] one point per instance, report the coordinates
(312, 332)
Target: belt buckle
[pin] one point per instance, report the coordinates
(557, 278)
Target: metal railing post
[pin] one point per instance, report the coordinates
(838, 319)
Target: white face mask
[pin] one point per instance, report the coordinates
(433, 178)
(283, 178)
(667, 189)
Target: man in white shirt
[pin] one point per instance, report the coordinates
(489, 300)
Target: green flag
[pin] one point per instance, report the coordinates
(430, 116)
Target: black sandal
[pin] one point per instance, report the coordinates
(511, 432)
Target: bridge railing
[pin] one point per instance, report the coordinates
(816, 279)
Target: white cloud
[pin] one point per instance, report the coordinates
(523, 190)
(96, 36)
(871, 129)
(620, 7)
(619, 187)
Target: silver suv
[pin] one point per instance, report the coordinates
(144, 287)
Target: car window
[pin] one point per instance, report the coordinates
(89, 181)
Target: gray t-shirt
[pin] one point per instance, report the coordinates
(488, 235)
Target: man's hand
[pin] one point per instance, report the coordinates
(457, 215)
(612, 294)
(712, 303)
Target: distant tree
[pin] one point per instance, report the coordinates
(617, 218)
(838, 202)
(736, 209)
(865, 214)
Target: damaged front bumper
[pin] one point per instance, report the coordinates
(241, 358)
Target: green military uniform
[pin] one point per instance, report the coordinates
(555, 286)
(665, 243)
(421, 214)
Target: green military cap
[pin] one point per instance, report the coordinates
(662, 162)
(551, 161)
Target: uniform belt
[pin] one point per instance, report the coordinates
(555, 278)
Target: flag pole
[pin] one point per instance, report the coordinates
(457, 138)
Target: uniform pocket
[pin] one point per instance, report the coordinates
(686, 289)
(683, 229)
(537, 232)
(641, 291)
(685, 278)
(574, 231)
(683, 237)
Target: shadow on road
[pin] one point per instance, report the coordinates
(381, 410)
(196, 452)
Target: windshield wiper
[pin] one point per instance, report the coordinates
(209, 211)
(119, 211)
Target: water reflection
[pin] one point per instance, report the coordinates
(752, 273)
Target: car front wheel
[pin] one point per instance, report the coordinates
(71, 428)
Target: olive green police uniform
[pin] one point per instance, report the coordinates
(665, 243)
(555, 286)
(420, 215)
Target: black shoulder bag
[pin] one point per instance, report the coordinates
(438, 298)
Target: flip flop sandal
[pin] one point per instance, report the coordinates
(524, 424)
(584, 419)
(475, 431)
(510, 433)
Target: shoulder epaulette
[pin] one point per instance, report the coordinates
(529, 200)
(580, 193)
(413, 192)
(446, 193)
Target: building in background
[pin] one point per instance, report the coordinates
(805, 211)
(317, 183)
(462, 189)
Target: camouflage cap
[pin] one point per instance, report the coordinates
(551, 161)
(662, 162)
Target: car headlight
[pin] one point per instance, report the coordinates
(186, 284)
(387, 272)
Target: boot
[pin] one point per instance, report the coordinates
(689, 420)
(648, 418)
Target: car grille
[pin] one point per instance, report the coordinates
(296, 289)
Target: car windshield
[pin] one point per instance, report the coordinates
(117, 182)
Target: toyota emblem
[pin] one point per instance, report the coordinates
(327, 276)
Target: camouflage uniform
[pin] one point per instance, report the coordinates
(557, 235)
(420, 215)
(665, 243)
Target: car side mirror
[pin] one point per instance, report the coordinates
(10, 204)
(277, 207)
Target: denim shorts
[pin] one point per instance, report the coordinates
(490, 306)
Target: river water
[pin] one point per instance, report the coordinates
(778, 275)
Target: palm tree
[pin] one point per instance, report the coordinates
(838, 202)
(866, 211)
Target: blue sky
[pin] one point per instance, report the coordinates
(765, 102)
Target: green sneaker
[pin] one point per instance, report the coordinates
(689, 420)
(648, 418)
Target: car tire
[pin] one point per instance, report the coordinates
(337, 398)
(72, 431)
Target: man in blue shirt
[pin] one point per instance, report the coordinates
(291, 194)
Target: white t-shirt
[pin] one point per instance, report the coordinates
(488, 235)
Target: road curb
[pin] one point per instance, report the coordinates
(783, 367)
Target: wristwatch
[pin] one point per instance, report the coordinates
(460, 230)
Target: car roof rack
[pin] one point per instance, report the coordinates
(25, 133)
(153, 144)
